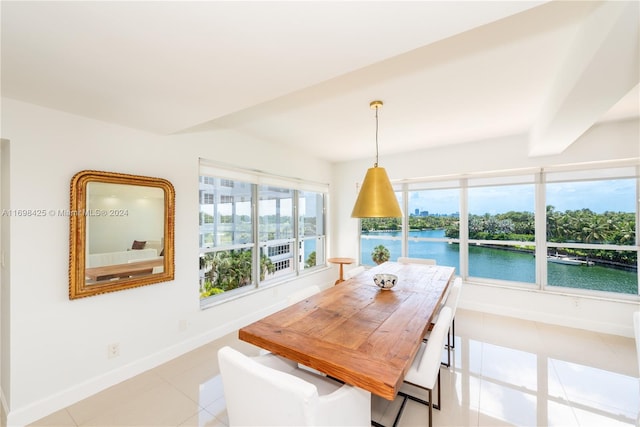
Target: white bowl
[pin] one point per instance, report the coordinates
(385, 281)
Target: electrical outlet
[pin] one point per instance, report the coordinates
(113, 350)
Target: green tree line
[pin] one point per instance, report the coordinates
(227, 270)
(571, 226)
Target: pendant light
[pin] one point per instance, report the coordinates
(376, 198)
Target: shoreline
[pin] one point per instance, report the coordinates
(597, 261)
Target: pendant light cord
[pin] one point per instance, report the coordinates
(376, 163)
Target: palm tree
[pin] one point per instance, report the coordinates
(311, 260)
(380, 254)
(597, 230)
(266, 266)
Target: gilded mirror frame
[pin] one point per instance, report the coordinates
(80, 210)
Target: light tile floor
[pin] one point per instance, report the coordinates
(506, 372)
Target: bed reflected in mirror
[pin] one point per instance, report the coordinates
(121, 232)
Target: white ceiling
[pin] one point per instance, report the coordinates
(303, 73)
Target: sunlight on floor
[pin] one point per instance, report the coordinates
(506, 372)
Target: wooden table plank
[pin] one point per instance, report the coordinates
(116, 271)
(356, 332)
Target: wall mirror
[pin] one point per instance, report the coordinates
(121, 232)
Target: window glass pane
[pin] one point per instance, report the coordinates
(309, 254)
(311, 229)
(224, 271)
(276, 213)
(443, 252)
(378, 247)
(595, 212)
(434, 214)
(502, 213)
(595, 269)
(592, 212)
(434, 209)
(312, 252)
(276, 259)
(511, 263)
(381, 238)
(225, 212)
(276, 230)
(311, 213)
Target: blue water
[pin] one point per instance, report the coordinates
(499, 264)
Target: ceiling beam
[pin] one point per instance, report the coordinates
(601, 67)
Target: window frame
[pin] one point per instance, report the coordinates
(212, 170)
(539, 178)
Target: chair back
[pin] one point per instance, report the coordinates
(453, 296)
(636, 328)
(429, 366)
(257, 395)
(407, 260)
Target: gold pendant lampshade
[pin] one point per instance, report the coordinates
(376, 198)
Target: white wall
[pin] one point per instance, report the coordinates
(58, 348)
(54, 351)
(4, 278)
(612, 141)
(143, 221)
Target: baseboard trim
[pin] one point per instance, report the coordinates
(572, 311)
(20, 417)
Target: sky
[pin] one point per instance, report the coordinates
(599, 196)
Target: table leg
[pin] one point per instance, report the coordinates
(341, 278)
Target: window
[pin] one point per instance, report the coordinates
(501, 229)
(591, 226)
(276, 228)
(381, 238)
(433, 224)
(311, 233)
(250, 234)
(226, 236)
(571, 228)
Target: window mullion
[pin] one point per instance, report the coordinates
(404, 249)
(256, 239)
(541, 231)
(296, 233)
(464, 229)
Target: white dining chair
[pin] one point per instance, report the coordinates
(636, 329)
(424, 372)
(271, 391)
(453, 298)
(407, 260)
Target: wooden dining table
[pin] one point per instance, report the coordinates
(119, 271)
(356, 332)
